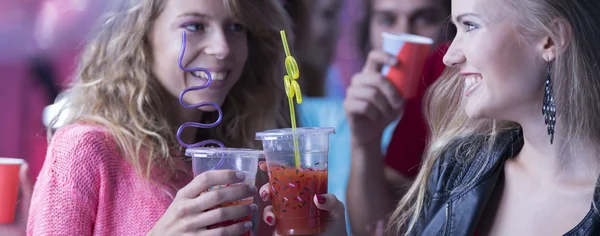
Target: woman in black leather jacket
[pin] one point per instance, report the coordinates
(518, 154)
(515, 125)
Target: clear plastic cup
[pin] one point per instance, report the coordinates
(245, 160)
(9, 188)
(294, 184)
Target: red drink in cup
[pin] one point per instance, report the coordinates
(9, 188)
(297, 162)
(246, 160)
(293, 192)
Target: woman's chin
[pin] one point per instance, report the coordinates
(474, 113)
(207, 109)
(208, 103)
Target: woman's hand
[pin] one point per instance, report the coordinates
(327, 202)
(193, 210)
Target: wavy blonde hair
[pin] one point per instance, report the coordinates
(576, 91)
(116, 89)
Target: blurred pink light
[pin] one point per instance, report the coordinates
(64, 24)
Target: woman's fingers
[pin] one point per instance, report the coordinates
(330, 203)
(204, 181)
(227, 194)
(235, 229)
(263, 166)
(269, 216)
(223, 215)
(265, 192)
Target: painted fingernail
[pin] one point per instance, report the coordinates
(269, 220)
(252, 189)
(248, 225)
(240, 175)
(253, 207)
(263, 195)
(321, 199)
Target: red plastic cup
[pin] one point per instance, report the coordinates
(411, 51)
(9, 188)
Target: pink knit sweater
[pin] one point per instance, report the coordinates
(86, 187)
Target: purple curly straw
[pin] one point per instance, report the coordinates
(195, 106)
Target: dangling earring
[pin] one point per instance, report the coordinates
(548, 106)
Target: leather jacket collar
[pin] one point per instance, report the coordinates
(458, 194)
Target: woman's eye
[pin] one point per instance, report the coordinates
(470, 26)
(194, 27)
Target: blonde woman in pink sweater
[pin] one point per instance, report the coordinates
(116, 168)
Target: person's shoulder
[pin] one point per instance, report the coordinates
(468, 159)
(80, 146)
(80, 129)
(81, 136)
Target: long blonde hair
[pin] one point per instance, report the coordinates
(576, 92)
(116, 89)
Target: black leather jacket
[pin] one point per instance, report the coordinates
(457, 197)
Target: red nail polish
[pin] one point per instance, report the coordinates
(321, 199)
(270, 219)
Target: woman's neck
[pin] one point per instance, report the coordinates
(566, 161)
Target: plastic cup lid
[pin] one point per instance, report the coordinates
(11, 161)
(208, 152)
(288, 133)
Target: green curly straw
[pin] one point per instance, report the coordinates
(292, 88)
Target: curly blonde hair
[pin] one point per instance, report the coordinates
(116, 89)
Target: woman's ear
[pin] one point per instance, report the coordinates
(558, 42)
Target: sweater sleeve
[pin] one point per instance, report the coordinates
(65, 197)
